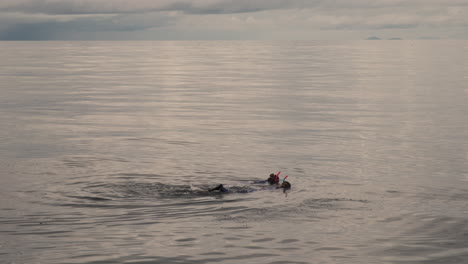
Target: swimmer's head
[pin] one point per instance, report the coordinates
(285, 185)
(273, 179)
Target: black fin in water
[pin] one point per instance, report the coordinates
(217, 188)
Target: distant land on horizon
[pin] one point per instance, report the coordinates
(398, 38)
(378, 38)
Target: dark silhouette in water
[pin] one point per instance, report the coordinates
(272, 180)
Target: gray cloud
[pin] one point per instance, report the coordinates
(207, 6)
(142, 6)
(44, 27)
(55, 19)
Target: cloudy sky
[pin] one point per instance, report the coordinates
(232, 19)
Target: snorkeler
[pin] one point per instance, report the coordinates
(272, 180)
(285, 186)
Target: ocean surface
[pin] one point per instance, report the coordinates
(107, 150)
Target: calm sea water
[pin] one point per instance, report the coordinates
(107, 149)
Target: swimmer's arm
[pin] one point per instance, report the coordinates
(260, 182)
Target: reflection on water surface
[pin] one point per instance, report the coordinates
(107, 150)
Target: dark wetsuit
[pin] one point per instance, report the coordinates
(273, 182)
(242, 189)
(219, 188)
(234, 189)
